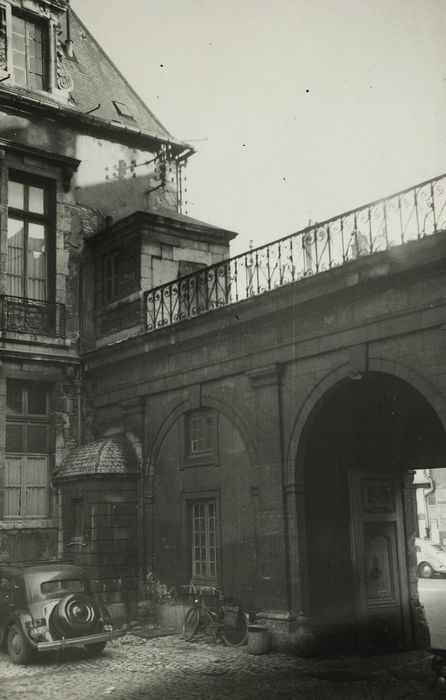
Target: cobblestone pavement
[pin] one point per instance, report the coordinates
(167, 668)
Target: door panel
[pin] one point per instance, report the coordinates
(382, 600)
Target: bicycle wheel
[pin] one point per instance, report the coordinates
(236, 636)
(190, 625)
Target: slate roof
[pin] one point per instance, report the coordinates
(109, 456)
(98, 85)
(171, 221)
(98, 81)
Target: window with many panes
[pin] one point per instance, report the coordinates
(201, 432)
(27, 449)
(29, 52)
(29, 219)
(204, 539)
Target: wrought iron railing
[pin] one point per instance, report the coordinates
(33, 316)
(408, 215)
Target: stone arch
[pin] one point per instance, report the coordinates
(206, 401)
(293, 469)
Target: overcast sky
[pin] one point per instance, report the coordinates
(299, 109)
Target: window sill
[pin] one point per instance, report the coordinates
(204, 459)
(28, 524)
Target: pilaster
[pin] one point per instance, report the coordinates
(271, 544)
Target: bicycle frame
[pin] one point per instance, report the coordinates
(212, 621)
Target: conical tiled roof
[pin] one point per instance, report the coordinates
(110, 456)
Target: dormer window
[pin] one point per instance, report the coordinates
(29, 52)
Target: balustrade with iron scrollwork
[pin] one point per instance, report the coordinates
(405, 216)
(18, 315)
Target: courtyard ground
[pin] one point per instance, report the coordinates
(167, 668)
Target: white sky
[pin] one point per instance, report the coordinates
(306, 108)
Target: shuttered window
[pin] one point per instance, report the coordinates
(27, 450)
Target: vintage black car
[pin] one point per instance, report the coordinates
(47, 607)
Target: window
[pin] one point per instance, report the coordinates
(27, 248)
(122, 109)
(188, 268)
(201, 433)
(77, 521)
(111, 279)
(27, 449)
(204, 539)
(29, 52)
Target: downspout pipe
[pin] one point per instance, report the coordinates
(69, 41)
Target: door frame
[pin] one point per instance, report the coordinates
(389, 510)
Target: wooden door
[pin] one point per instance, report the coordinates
(379, 560)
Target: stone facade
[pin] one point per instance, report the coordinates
(253, 422)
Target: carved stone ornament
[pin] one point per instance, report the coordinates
(3, 61)
(64, 79)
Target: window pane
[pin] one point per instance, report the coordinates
(14, 398)
(37, 399)
(19, 76)
(18, 25)
(15, 442)
(36, 262)
(35, 81)
(16, 194)
(37, 439)
(15, 258)
(19, 60)
(37, 50)
(37, 200)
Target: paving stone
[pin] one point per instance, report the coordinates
(133, 668)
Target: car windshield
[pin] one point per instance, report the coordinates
(62, 585)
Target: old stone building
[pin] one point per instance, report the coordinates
(90, 207)
(253, 422)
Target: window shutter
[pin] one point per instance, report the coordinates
(35, 485)
(13, 479)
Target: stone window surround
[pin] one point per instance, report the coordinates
(47, 218)
(59, 83)
(198, 459)
(50, 376)
(35, 165)
(188, 498)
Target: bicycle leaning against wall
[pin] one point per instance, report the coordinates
(227, 621)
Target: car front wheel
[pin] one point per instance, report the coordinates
(18, 649)
(425, 570)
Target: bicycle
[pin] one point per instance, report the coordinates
(229, 621)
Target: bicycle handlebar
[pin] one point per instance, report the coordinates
(203, 590)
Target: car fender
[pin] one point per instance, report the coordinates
(21, 617)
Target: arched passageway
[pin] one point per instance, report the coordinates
(360, 441)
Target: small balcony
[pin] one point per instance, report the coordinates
(32, 316)
(406, 216)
